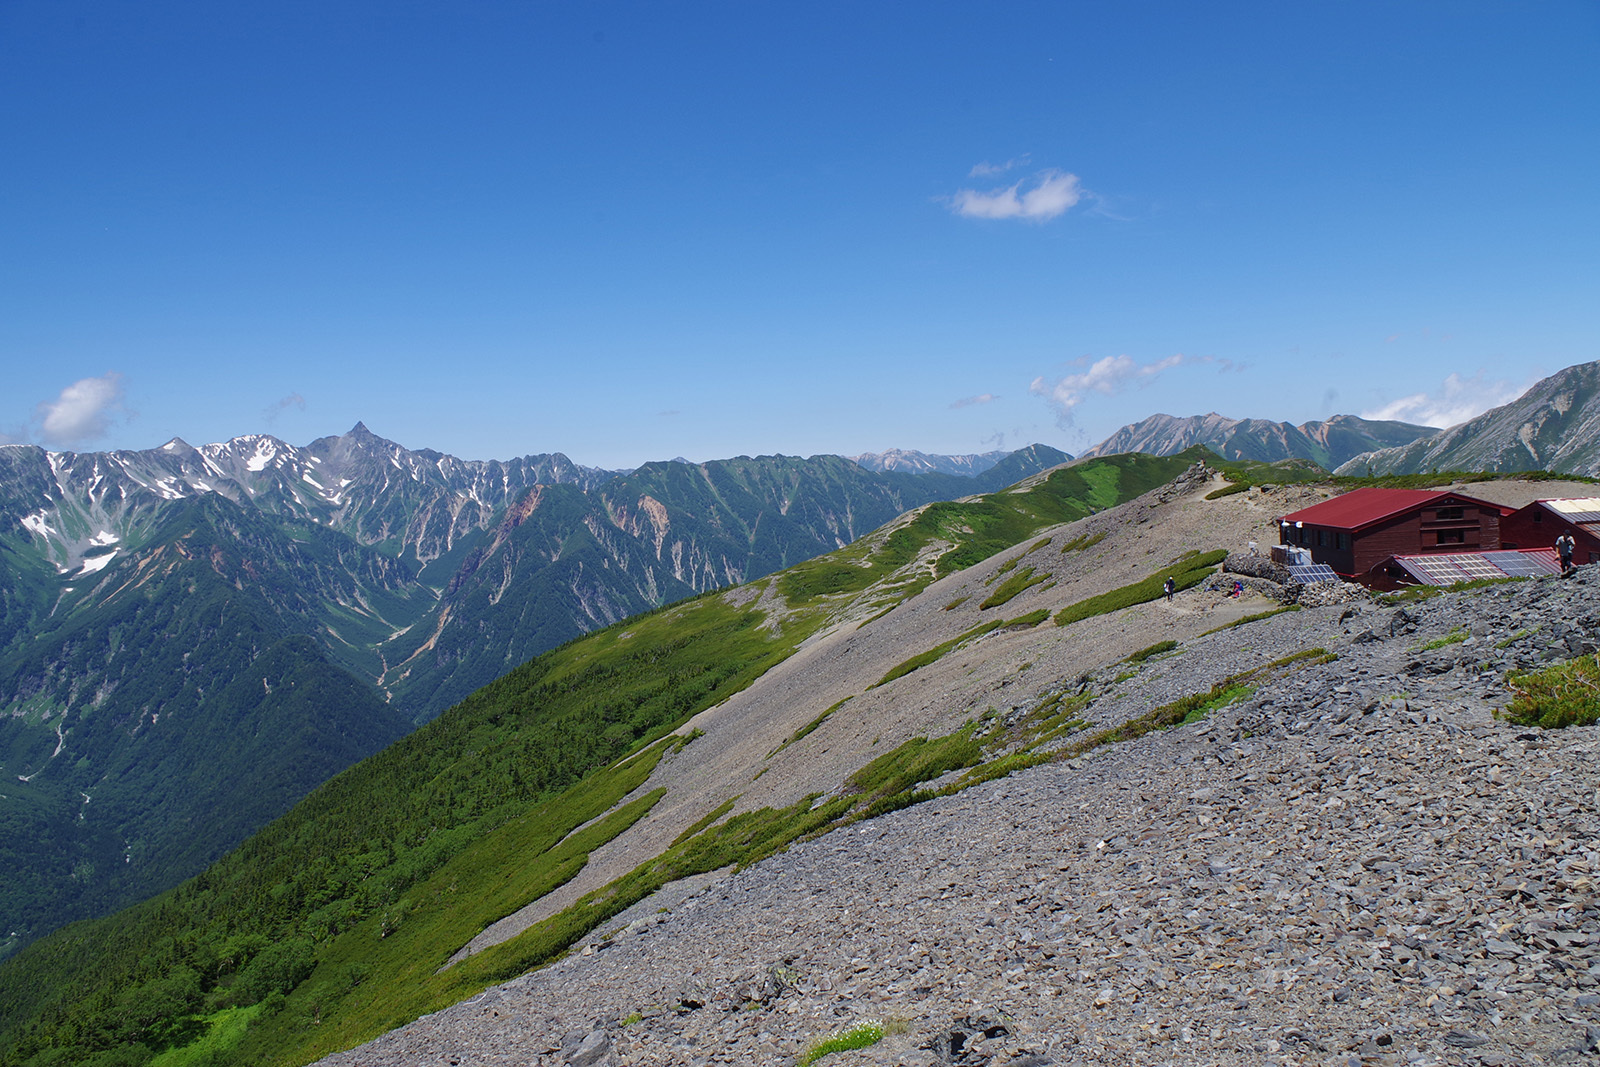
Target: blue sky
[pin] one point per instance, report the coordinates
(637, 231)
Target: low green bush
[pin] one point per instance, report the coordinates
(1566, 694)
(1191, 570)
(1227, 490)
(1017, 583)
(1083, 541)
(863, 1035)
(1154, 650)
(933, 654)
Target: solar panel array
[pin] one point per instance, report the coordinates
(1472, 566)
(1520, 564)
(1306, 573)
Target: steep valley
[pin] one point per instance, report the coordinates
(164, 614)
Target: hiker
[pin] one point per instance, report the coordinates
(1564, 547)
(1238, 588)
(1169, 587)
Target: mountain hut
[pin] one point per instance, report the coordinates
(1355, 532)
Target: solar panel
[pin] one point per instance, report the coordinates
(1475, 566)
(1432, 570)
(1521, 564)
(1306, 573)
(1472, 566)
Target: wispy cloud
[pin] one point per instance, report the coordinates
(1455, 401)
(989, 170)
(1038, 198)
(293, 400)
(83, 411)
(969, 401)
(1107, 377)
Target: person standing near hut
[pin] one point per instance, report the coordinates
(1564, 547)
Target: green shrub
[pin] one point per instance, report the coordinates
(1257, 617)
(1454, 637)
(933, 654)
(1227, 490)
(863, 1035)
(1032, 618)
(1154, 650)
(1083, 541)
(1192, 570)
(1566, 694)
(1012, 586)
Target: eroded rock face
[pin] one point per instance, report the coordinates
(1359, 864)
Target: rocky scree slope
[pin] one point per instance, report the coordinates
(749, 756)
(1355, 863)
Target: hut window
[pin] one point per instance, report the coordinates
(1449, 514)
(1452, 537)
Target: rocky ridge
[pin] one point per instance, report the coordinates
(1554, 426)
(1327, 442)
(1355, 864)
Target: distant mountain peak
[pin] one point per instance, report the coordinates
(914, 462)
(1553, 426)
(1328, 442)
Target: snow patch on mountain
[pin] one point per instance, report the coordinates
(97, 563)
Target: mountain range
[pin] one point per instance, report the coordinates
(1327, 443)
(192, 638)
(1554, 426)
(912, 461)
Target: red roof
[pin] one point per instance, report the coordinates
(1363, 507)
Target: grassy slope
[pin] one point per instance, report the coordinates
(368, 871)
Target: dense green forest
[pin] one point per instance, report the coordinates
(327, 926)
(198, 709)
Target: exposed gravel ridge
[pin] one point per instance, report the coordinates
(1357, 865)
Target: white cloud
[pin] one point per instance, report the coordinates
(1106, 376)
(82, 412)
(1456, 400)
(1050, 193)
(989, 170)
(968, 401)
